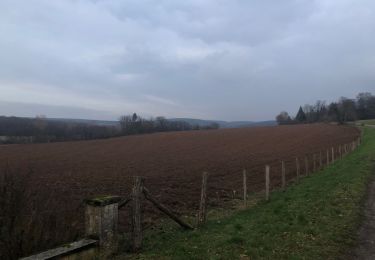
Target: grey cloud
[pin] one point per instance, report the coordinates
(32, 110)
(219, 59)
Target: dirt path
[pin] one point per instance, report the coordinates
(366, 240)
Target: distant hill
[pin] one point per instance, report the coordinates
(225, 124)
(192, 121)
(85, 121)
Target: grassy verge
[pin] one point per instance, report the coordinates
(366, 122)
(316, 219)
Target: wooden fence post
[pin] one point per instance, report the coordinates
(137, 213)
(101, 220)
(306, 166)
(283, 182)
(267, 182)
(297, 168)
(333, 154)
(340, 153)
(314, 158)
(327, 156)
(320, 160)
(202, 214)
(244, 188)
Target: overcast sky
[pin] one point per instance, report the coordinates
(210, 59)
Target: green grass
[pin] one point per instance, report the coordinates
(316, 219)
(366, 122)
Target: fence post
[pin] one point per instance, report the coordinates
(267, 182)
(333, 154)
(306, 166)
(244, 188)
(297, 168)
(101, 220)
(203, 203)
(136, 213)
(340, 153)
(320, 160)
(314, 158)
(327, 156)
(283, 182)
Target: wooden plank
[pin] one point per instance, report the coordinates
(244, 187)
(82, 247)
(283, 181)
(137, 214)
(202, 214)
(333, 154)
(165, 210)
(267, 182)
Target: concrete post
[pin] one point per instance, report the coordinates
(101, 220)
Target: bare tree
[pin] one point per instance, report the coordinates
(283, 118)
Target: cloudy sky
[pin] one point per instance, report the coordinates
(210, 59)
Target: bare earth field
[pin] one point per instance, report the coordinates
(64, 174)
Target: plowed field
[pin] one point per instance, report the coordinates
(63, 174)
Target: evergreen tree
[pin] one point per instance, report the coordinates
(301, 116)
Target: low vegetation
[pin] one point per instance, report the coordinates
(316, 219)
(366, 122)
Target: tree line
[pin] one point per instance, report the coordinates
(41, 129)
(341, 111)
(134, 124)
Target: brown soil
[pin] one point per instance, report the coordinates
(66, 173)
